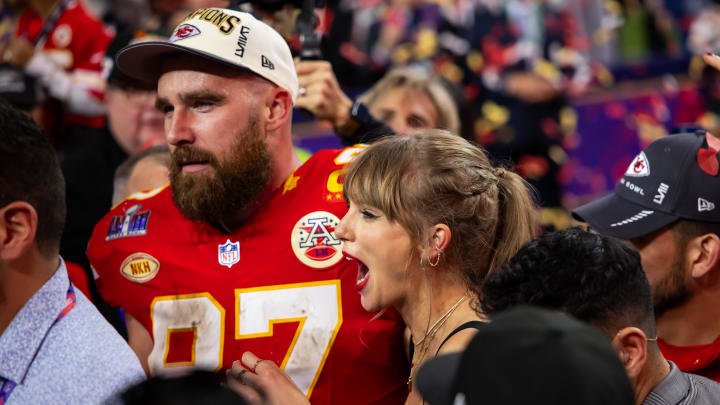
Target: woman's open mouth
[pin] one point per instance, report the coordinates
(363, 273)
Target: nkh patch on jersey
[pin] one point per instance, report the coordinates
(229, 253)
(313, 241)
(140, 267)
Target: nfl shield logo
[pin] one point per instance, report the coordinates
(229, 253)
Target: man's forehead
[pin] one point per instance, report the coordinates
(657, 237)
(200, 83)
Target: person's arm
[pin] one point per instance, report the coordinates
(139, 340)
(80, 89)
(322, 96)
(362, 127)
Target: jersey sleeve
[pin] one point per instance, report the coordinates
(127, 225)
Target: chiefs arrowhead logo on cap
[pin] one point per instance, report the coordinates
(639, 167)
(184, 31)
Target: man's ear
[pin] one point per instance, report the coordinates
(278, 109)
(631, 345)
(18, 226)
(703, 255)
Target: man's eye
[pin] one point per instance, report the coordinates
(203, 105)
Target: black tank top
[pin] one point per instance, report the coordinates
(466, 325)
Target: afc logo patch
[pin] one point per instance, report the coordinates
(229, 253)
(313, 241)
(184, 31)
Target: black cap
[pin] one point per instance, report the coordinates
(674, 177)
(529, 355)
(116, 77)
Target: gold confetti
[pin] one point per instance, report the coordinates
(697, 65)
(483, 127)
(568, 120)
(557, 154)
(451, 72)
(426, 43)
(546, 69)
(475, 61)
(604, 75)
(401, 54)
(613, 7)
(497, 115)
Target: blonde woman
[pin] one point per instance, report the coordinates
(429, 218)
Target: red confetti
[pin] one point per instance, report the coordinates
(708, 161)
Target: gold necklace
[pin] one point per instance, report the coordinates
(429, 337)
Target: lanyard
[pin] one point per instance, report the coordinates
(7, 386)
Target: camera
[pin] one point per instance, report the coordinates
(305, 23)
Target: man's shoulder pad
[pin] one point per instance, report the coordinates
(338, 157)
(147, 197)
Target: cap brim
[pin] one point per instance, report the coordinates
(615, 216)
(435, 379)
(144, 61)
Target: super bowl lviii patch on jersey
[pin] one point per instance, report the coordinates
(314, 242)
(133, 223)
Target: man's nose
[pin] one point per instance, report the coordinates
(177, 128)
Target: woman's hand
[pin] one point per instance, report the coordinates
(320, 93)
(261, 382)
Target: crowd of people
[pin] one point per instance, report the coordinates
(162, 238)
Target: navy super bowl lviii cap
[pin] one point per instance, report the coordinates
(529, 355)
(675, 177)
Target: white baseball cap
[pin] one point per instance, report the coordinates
(231, 37)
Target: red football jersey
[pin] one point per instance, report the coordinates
(77, 42)
(277, 286)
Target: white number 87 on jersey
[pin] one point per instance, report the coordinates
(315, 306)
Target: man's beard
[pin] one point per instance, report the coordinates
(226, 187)
(672, 290)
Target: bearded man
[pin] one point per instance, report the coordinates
(238, 253)
(668, 206)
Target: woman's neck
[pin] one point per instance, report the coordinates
(433, 309)
(432, 301)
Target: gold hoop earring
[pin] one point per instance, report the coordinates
(437, 259)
